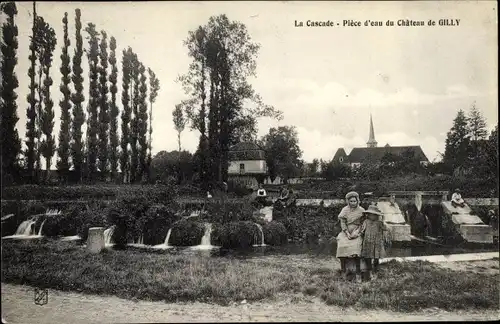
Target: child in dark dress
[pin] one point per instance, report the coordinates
(375, 237)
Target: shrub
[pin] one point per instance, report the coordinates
(274, 233)
(94, 215)
(242, 234)
(187, 232)
(156, 222)
(238, 189)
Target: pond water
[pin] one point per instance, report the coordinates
(397, 250)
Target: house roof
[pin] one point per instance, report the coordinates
(340, 153)
(246, 151)
(361, 154)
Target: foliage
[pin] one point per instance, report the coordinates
(142, 123)
(179, 122)
(154, 87)
(334, 170)
(46, 43)
(156, 223)
(282, 152)
(10, 144)
(93, 102)
(134, 127)
(476, 124)
(186, 232)
(113, 123)
(172, 164)
(274, 233)
(63, 151)
(223, 57)
(236, 235)
(104, 113)
(126, 113)
(32, 101)
(77, 144)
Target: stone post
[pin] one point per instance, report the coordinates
(95, 240)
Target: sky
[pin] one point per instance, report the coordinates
(326, 80)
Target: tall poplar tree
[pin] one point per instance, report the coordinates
(93, 102)
(134, 133)
(63, 150)
(32, 101)
(77, 98)
(126, 115)
(113, 110)
(154, 87)
(142, 124)
(103, 106)
(47, 145)
(10, 144)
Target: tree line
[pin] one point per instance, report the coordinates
(104, 151)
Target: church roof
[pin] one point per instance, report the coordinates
(246, 151)
(361, 154)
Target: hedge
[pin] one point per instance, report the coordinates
(156, 193)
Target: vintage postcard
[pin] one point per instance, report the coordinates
(178, 161)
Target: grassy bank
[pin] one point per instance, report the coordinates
(160, 276)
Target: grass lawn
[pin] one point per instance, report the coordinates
(160, 276)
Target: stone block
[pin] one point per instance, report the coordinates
(95, 240)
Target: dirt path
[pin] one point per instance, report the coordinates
(63, 307)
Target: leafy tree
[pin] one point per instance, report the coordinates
(143, 121)
(94, 100)
(223, 58)
(314, 167)
(103, 107)
(282, 151)
(47, 146)
(126, 114)
(10, 144)
(63, 151)
(476, 124)
(154, 87)
(179, 122)
(77, 150)
(457, 142)
(31, 113)
(113, 125)
(166, 164)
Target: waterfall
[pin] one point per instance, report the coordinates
(261, 235)
(168, 237)
(26, 228)
(205, 240)
(141, 239)
(205, 243)
(108, 235)
(41, 226)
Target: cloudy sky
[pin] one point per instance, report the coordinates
(326, 80)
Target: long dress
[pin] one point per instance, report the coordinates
(350, 219)
(373, 239)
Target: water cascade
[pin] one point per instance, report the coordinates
(41, 226)
(205, 240)
(168, 237)
(261, 236)
(26, 228)
(108, 235)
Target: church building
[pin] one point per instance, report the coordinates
(374, 154)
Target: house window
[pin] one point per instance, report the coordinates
(242, 168)
(341, 159)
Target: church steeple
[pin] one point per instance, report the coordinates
(371, 141)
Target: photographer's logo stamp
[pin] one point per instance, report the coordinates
(41, 296)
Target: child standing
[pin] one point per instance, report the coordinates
(375, 237)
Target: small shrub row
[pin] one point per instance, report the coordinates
(156, 193)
